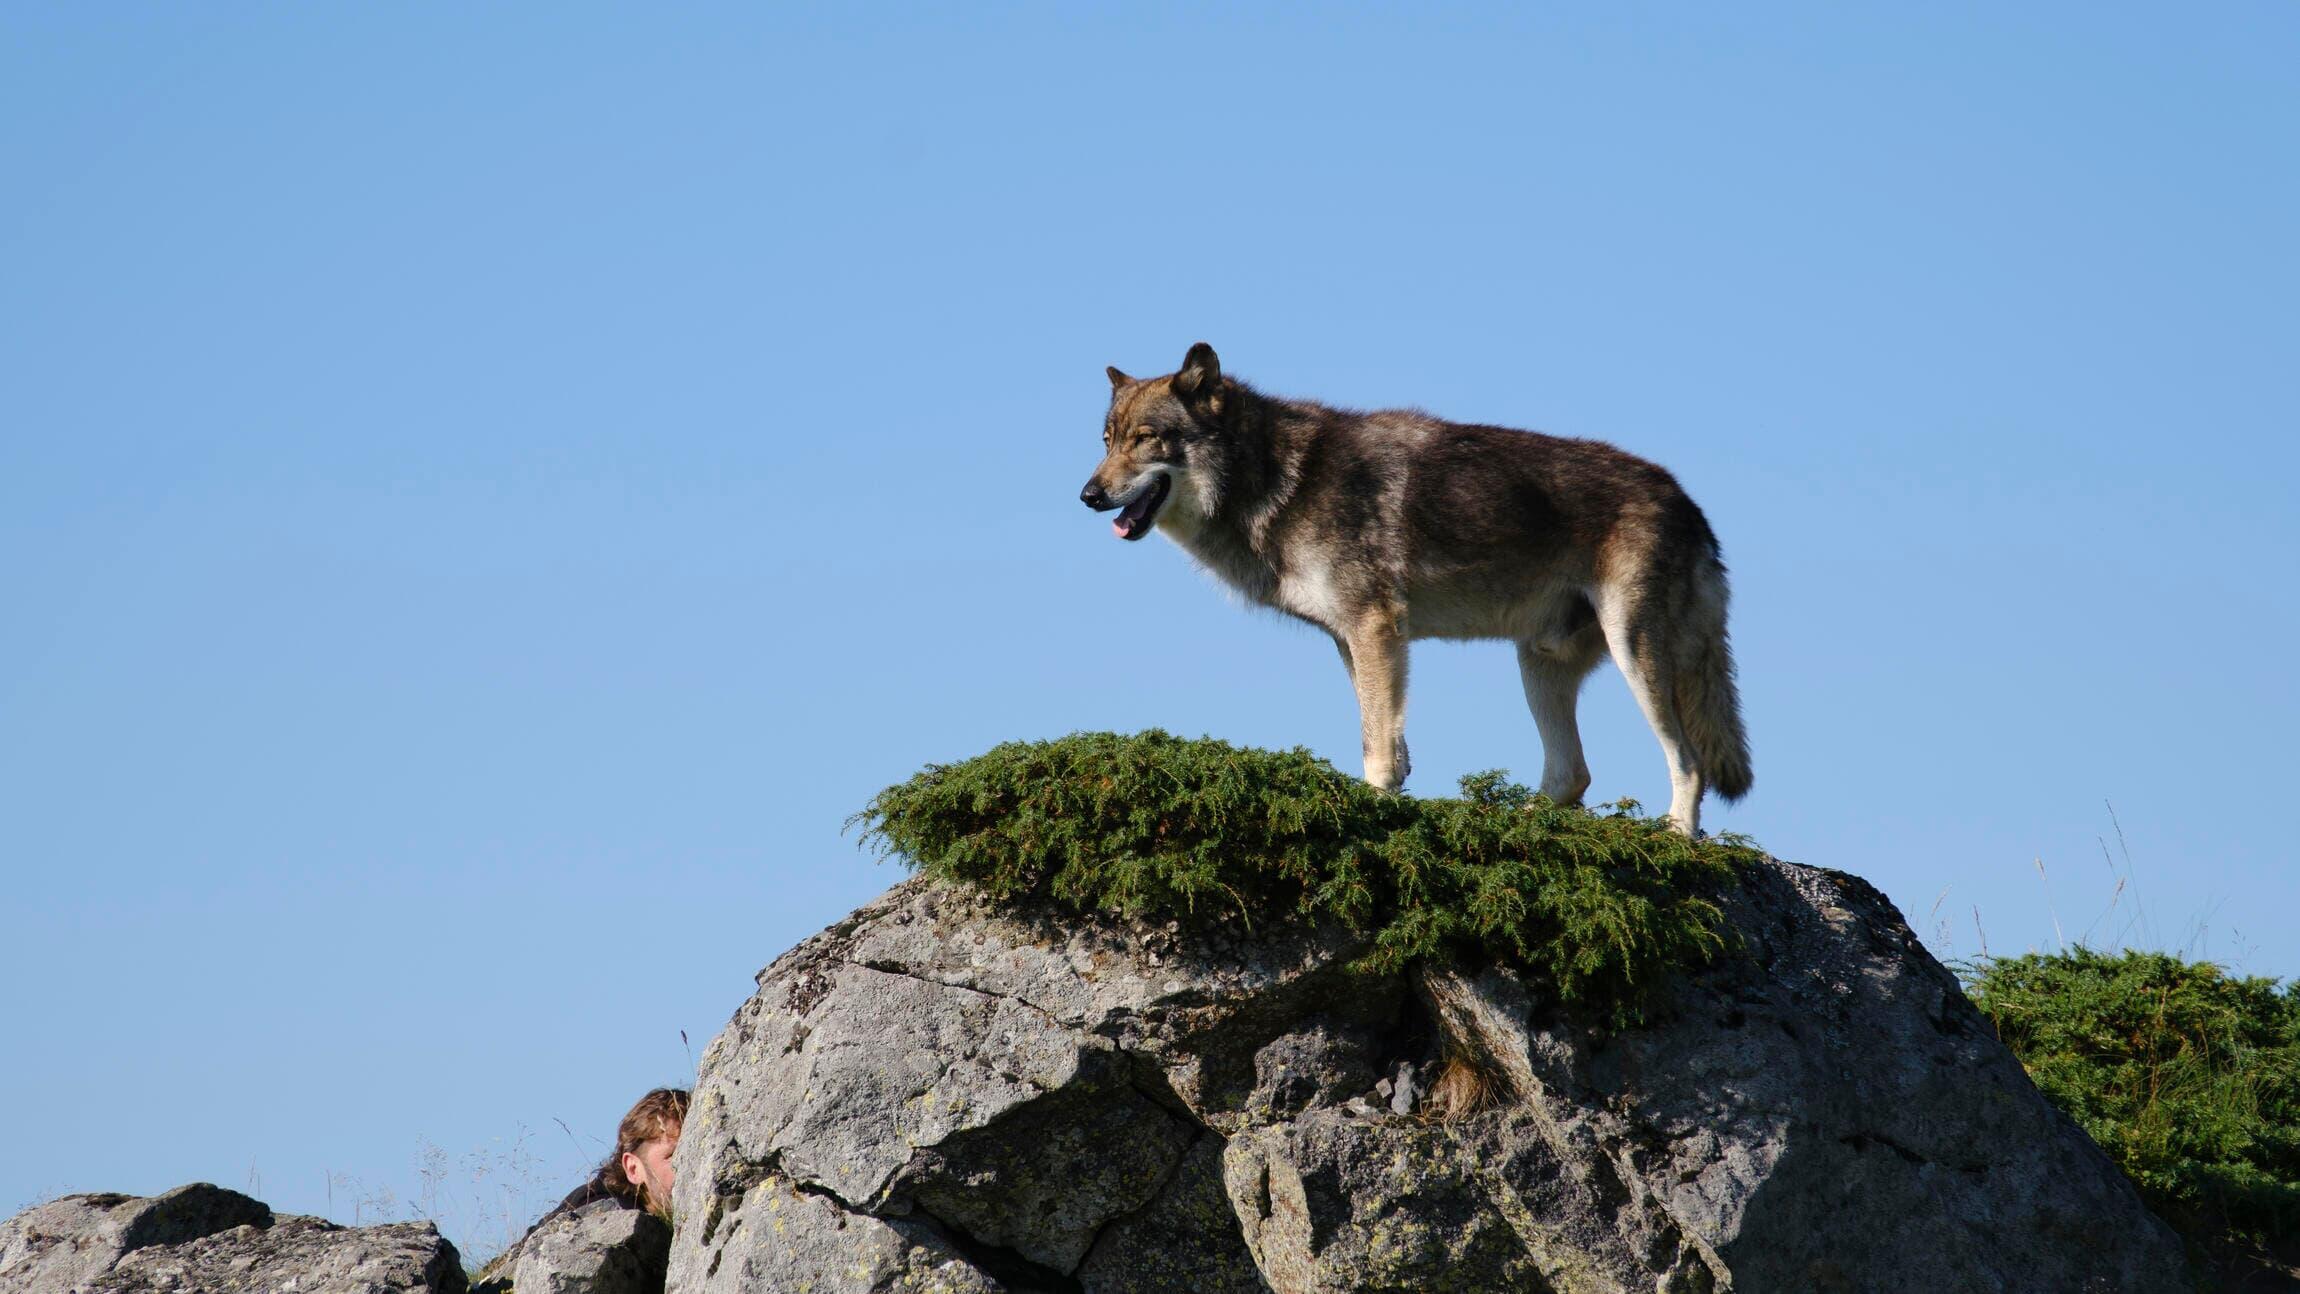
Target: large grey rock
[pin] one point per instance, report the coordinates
(202, 1239)
(68, 1242)
(598, 1249)
(299, 1254)
(941, 1094)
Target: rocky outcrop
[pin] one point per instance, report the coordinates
(69, 1242)
(601, 1248)
(295, 1253)
(942, 1094)
(207, 1239)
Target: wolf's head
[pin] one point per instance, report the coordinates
(1157, 460)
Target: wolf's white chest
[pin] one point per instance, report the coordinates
(1310, 591)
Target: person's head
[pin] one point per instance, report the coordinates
(640, 1168)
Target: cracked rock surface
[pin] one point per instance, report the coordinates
(942, 1094)
(210, 1240)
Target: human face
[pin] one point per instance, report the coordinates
(649, 1168)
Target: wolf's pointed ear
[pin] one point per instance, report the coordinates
(1117, 379)
(1201, 375)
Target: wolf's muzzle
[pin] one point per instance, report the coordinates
(1095, 497)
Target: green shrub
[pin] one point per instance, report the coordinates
(2189, 1077)
(1598, 905)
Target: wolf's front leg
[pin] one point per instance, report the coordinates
(1375, 652)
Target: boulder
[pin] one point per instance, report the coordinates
(66, 1243)
(213, 1241)
(305, 1255)
(601, 1248)
(943, 1093)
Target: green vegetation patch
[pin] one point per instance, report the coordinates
(1599, 905)
(2189, 1077)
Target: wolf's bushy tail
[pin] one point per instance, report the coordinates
(1708, 702)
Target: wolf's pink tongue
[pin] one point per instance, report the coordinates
(1118, 527)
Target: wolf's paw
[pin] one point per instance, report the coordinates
(1565, 787)
(1389, 774)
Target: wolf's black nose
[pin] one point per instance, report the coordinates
(1093, 497)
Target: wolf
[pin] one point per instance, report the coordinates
(1381, 528)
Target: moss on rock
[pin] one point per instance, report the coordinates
(1598, 905)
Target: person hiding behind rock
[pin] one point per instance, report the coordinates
(637, 1173)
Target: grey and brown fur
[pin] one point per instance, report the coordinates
(1385, 527)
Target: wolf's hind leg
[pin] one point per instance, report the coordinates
(1375, 654)
(1552, 670)
(1640, 649)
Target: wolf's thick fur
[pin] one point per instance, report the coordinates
(1381, 528)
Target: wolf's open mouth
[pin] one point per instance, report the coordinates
(1134, 519)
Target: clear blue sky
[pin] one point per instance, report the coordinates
(486, 490)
